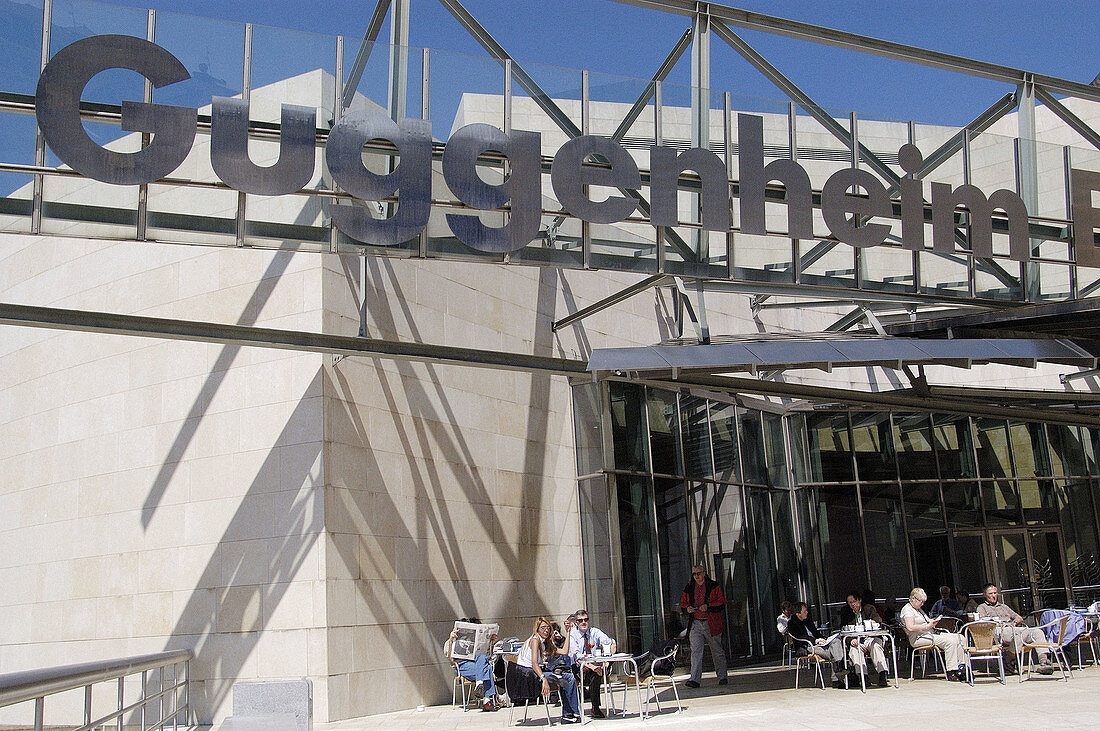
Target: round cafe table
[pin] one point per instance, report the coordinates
(607, 661)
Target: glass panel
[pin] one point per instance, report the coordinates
(776, 451)
(753, 465)
(873, 446)
(627, 427)
(1011, 569)
(731, 563)
(885, 530)
(588, 427)
(992, 448)
(636, 539)
(1028, 447)
(723, 433)
(1001, 502)
(1049, 575)
(841, 540)
(787, 552)
(913, 441)
(768, 590)
(1067, 454)
(931, 564)
(599, 578)
(962, 504)
(922, 506)
(697, 461)
(809, 545)
(674, 542)
(664, 432)
(1075, 507)
(954, 446)
(829, 448)
(970, 553)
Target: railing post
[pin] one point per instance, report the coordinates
(144, 695)
(39, 702)
(87, 704)
(121, 701)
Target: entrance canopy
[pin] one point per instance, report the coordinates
(826, 353)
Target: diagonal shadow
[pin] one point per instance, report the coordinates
(438, 432)
(252, 566)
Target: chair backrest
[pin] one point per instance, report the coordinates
(664, 665)
(951, 624)
(1061, 638)
(982, 634)
(512, 683)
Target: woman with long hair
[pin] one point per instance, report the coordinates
(538, 650)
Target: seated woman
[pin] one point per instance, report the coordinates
(536, 651)
(478, 670)
(921, 631)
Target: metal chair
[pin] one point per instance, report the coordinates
(982, 644)
(786, 659)
(654, 681)
(1088, 637)
(809, 659)
(937, 660)
(467, 686)
(1052, 648)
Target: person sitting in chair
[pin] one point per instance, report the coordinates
(478, 670)
(539, 649)
(583, 638)
(921, 631)
(802, 628)
(1011, 632)
(853, 613)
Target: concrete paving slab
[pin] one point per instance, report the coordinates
(765, 698)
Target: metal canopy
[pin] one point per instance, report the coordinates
(828, 353)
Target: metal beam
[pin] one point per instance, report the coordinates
(661, 74)
(374, 27)
(869, 45)
(1068, 117)
(881, 400)
(790, 89)
(842, 294)
(211, 332)
(606, 302)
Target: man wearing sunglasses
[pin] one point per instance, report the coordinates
(583, 639)
(704, 602)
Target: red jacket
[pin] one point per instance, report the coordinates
(716, 602)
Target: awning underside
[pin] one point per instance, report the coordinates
(828, 353)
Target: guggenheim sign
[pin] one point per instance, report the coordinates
(854, 203)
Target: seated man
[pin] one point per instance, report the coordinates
(921, 631)
(969, 606)
(853, 613)
(1012, 633)
(583, 638)
(478, 670)
(801, 627)
(785, 612)
(946, 605)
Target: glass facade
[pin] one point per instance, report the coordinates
(809, 504)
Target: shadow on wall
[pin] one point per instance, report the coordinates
(251, 570)
(412, 612)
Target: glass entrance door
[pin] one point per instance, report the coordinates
(1011, 569)
(1048, 566)
(1030, 568)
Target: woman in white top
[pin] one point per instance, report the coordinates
(921, 631)
(539, 649)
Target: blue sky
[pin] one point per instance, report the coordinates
(1058, 39)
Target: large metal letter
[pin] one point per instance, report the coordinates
(412, 177)
(57, 105)
(753, 178)
(1086, 216)
(945, 201)
(569, 176)
(229, 149)
(522, 186)
(836, 203)
(714, 199)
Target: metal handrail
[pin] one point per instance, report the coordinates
(35, 685)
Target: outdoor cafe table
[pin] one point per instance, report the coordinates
(862, 634)
(626, 659)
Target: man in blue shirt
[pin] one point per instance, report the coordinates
(583, 640)
(946, 605)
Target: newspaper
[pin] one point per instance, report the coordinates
(472, 640)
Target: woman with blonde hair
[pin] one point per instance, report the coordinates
(921, 631)
(538, 650)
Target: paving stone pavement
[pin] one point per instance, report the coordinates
(765, 698)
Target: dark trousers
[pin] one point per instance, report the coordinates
(593, 683)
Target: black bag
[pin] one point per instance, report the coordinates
(660, 667)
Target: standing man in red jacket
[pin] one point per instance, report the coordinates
(704, 602)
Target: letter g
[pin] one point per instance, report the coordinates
(57, 105)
